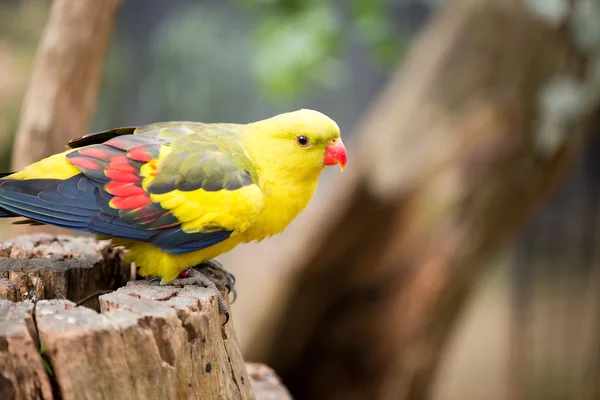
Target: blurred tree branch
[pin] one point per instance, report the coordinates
(465, 143)
(64, 85)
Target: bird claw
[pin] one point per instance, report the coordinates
(213, 276)
(153, 281)
(222, 277)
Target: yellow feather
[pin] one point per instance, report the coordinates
(53, 167)
(231, 210)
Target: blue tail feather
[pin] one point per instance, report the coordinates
(80, 203)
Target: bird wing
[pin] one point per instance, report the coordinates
(179, 186)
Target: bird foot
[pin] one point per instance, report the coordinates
(220, 275)
(212, 275)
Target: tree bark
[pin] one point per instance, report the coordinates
(456, 155)
(66, 78)
(22, 373)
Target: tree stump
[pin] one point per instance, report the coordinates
(147, 342)
(41, 266)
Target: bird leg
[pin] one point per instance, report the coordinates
(195, 277)
(221, 276)
(212, 275)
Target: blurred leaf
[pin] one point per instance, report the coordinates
(374, 25)
(299, 43)
(299, 48)
(370, 19)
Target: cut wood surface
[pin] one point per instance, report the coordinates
(147, 342)
(41, 266)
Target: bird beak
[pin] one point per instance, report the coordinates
(335, 153)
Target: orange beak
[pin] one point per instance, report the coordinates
(335, 153)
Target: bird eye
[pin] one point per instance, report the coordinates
(303, 141)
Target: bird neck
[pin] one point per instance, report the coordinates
(287, 191)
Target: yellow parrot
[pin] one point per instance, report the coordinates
(176, 195)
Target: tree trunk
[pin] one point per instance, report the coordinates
(457, 153)
(64, 85)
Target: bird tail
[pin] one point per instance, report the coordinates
(5, 213)
(50, 169)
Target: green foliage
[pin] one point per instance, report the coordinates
(374, 27)
(296, 47)
(299, 43)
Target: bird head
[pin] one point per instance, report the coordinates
(301, 142)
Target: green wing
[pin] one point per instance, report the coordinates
(200, 156)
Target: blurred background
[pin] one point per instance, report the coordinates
(529, 328)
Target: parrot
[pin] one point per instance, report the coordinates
(176, 195)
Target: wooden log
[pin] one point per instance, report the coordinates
(41, 266)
